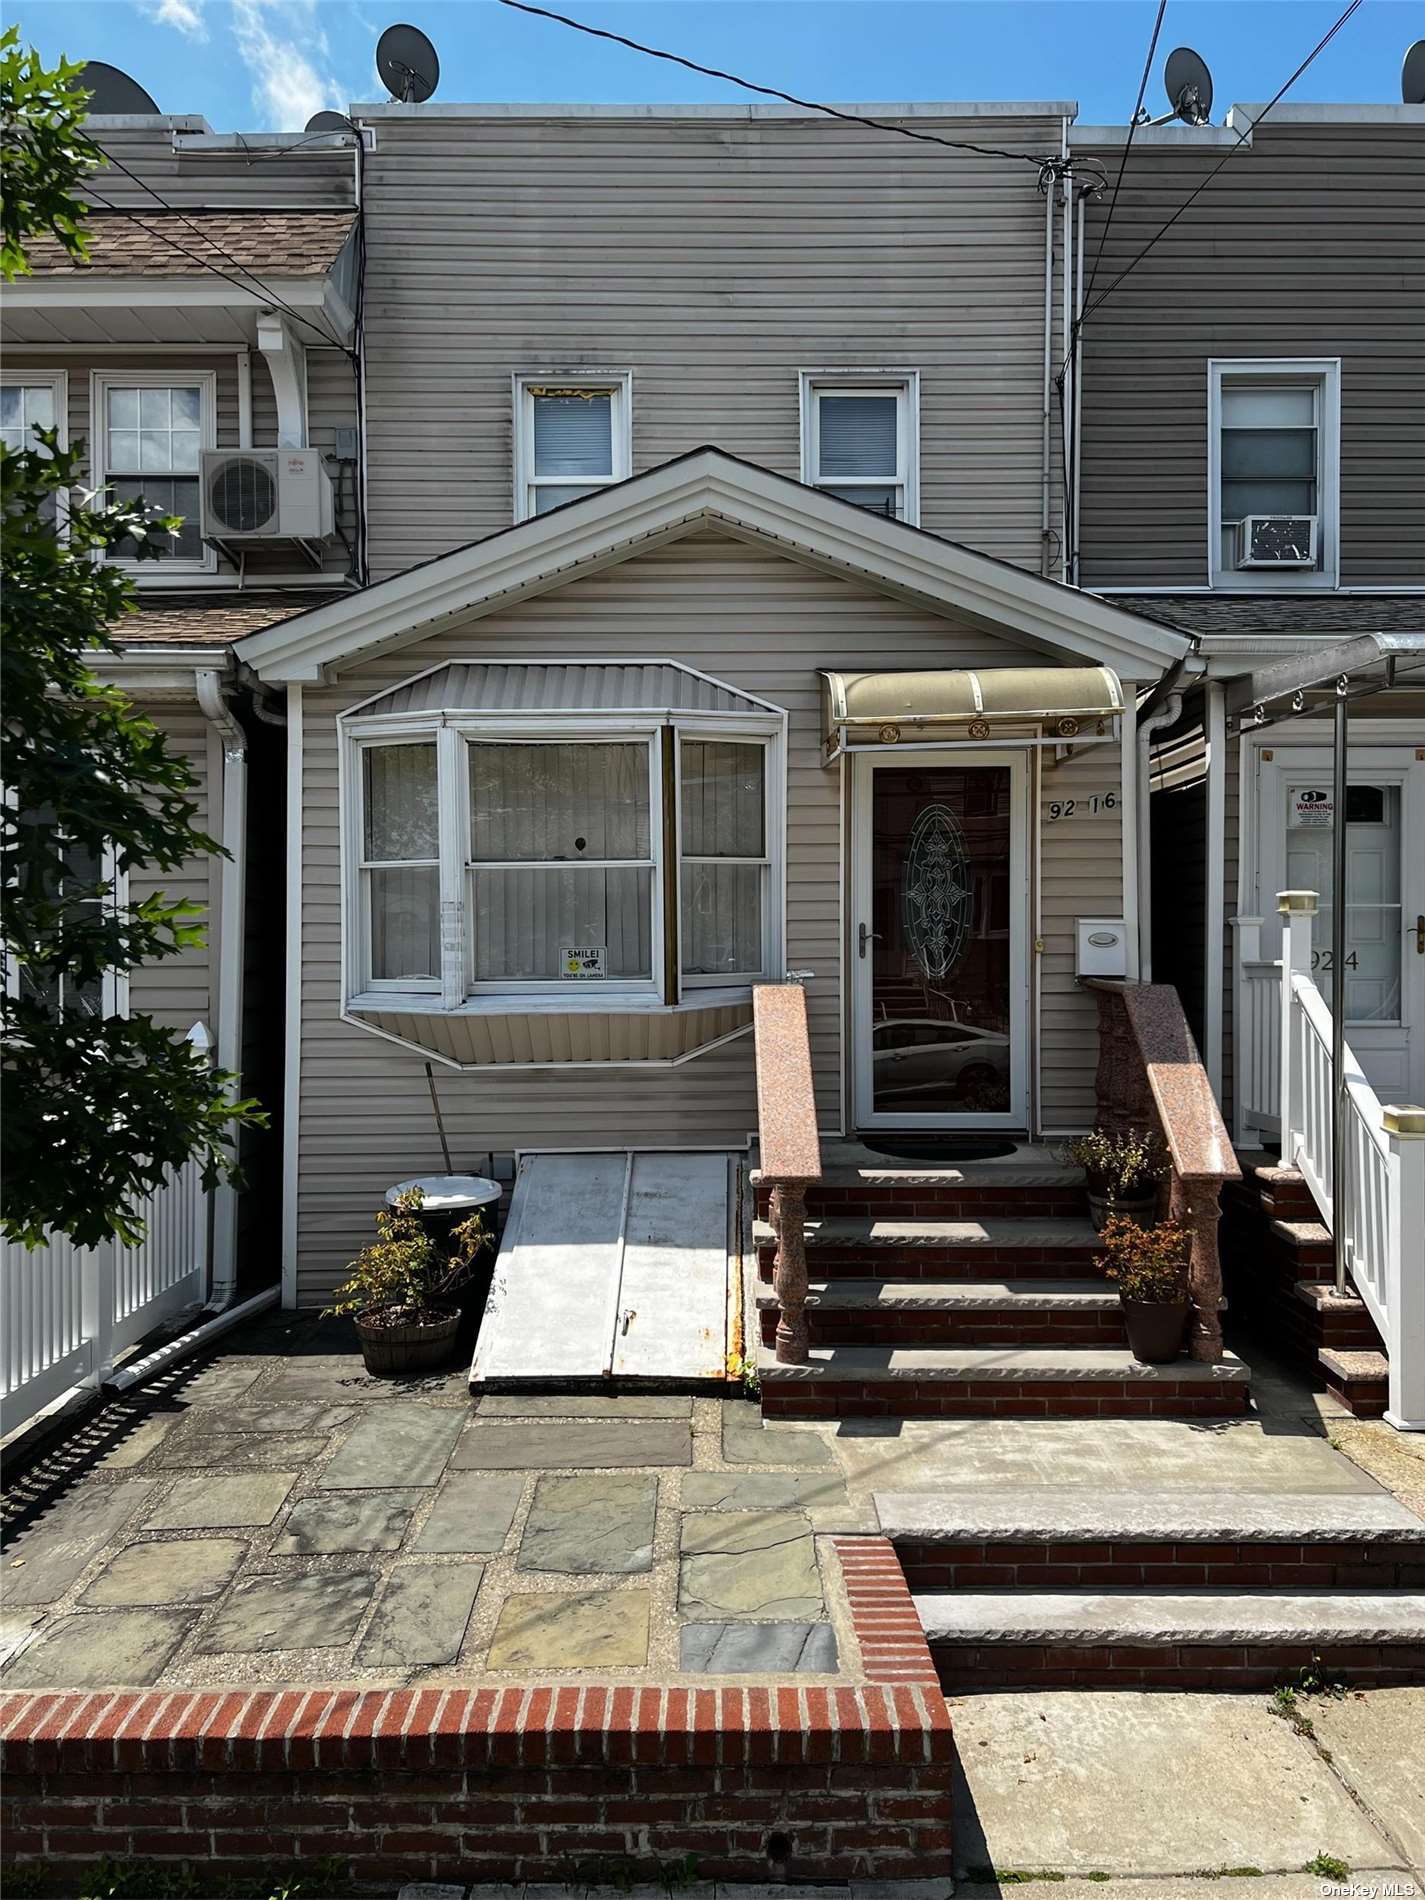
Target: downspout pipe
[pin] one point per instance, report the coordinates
(1163, 708)
(213, 702)
(1047, 440)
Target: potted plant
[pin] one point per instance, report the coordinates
(1122, 1170)
(401, 1289)
(1149, 1266)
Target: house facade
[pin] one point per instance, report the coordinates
(1252, 471)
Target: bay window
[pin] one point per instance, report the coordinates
(503, 865)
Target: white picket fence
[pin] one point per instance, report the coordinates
(1256, 1035)
(1383, 1210)
(67, 1310)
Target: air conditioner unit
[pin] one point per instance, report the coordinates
(1277, 541)
(265, 495)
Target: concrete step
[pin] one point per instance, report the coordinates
(1360, 1380)
(856, 1179)
(1216, 1639)
(1034, 1538)
(873, 1312)
(926, 1246)
(998, 1382)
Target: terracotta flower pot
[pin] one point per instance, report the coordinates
(414, 1345)
(1155, 1333)
(1140, 1207)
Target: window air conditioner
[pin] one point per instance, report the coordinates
(265, 495)
(1277, 541)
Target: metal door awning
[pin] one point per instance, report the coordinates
(614, 1266)
(1347, 669)
(1059, 704)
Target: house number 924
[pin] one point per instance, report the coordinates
(1080, 807)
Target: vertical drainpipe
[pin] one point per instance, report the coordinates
(1078, 407)
(219, 715)
(1047, 446)
(1066, 408)
(1215, 925)
(1167, 713)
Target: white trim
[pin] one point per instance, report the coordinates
(678, 498)
(292, 1077)
(286, 358)
(224, 730)
(904, 384)
(1137, 863)
(640, 113)
(864, 1114)
(619, 384)
(1214, 934)
(100, 382)
(57, 380)
(107, 290)
(517, 1068)
(244, 398)
(1324, 374)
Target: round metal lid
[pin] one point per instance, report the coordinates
(447, 1193)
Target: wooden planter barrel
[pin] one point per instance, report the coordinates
(414, 1346)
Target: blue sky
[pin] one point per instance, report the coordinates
(250, 65)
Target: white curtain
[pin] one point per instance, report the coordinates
(401, 849)
(560, 809)
(723, 820)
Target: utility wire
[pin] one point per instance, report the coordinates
(1128, 147)
(1038, 159)
(1226, 158)
(266, 290)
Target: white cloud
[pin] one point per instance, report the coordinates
(185, 15)
(282, 44)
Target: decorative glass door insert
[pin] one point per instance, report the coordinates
(938, 940)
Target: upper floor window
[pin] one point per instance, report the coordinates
(67, 875)
(149, 433)
(572, 435)
(563, 859)
(1273, 457)
(29, 400)
(860, 440)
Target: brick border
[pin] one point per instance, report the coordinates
(817, 1782)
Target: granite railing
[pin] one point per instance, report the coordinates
(1150, 1076)
(789, 1148)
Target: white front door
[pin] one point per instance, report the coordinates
(939, 920)
(1384, 977)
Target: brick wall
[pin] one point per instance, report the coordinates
(517, 1783)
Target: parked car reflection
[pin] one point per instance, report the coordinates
(921, 1056)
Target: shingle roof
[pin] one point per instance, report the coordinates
(1281, 613)
(147, 243)
(200, 620)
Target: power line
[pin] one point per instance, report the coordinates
(1226, 158)
(268, 293)
(1128, 146)
(1040, 160)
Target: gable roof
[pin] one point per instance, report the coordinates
(709, 488)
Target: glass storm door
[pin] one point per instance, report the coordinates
(938, 935)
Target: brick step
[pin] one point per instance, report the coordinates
(855, 1180)
(1308, 1241)
(858, 1245)
(1338, 1320)
(998, 1382)
(1360, 1380)
(1042, 1538)
(955, 1312)
(1207, 1639)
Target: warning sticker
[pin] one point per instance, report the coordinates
(582, 960)
(1311, 807)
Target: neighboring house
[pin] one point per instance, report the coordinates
(162, 358)
(1267, 359)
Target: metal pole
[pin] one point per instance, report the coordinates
(1338, 983)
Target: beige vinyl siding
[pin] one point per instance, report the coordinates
(1309, 243)
(178, 991)
(764, 624)
(713, 260)
(314, 179)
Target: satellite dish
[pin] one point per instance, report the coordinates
(1412, 75)
(114, 93)
(328, 122)
(1189, 86)
(406, 62)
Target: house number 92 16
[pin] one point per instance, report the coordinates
(1080, 807)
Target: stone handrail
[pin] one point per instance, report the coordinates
(789, 1148)
(1151, 1076)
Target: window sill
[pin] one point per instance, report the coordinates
(1292, 581)
(407, 1003)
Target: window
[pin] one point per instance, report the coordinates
(82, 880)
(860, 441)
(30, 400)
(150, 430)
(545, 864)
(572, 436)
(1273, 445)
